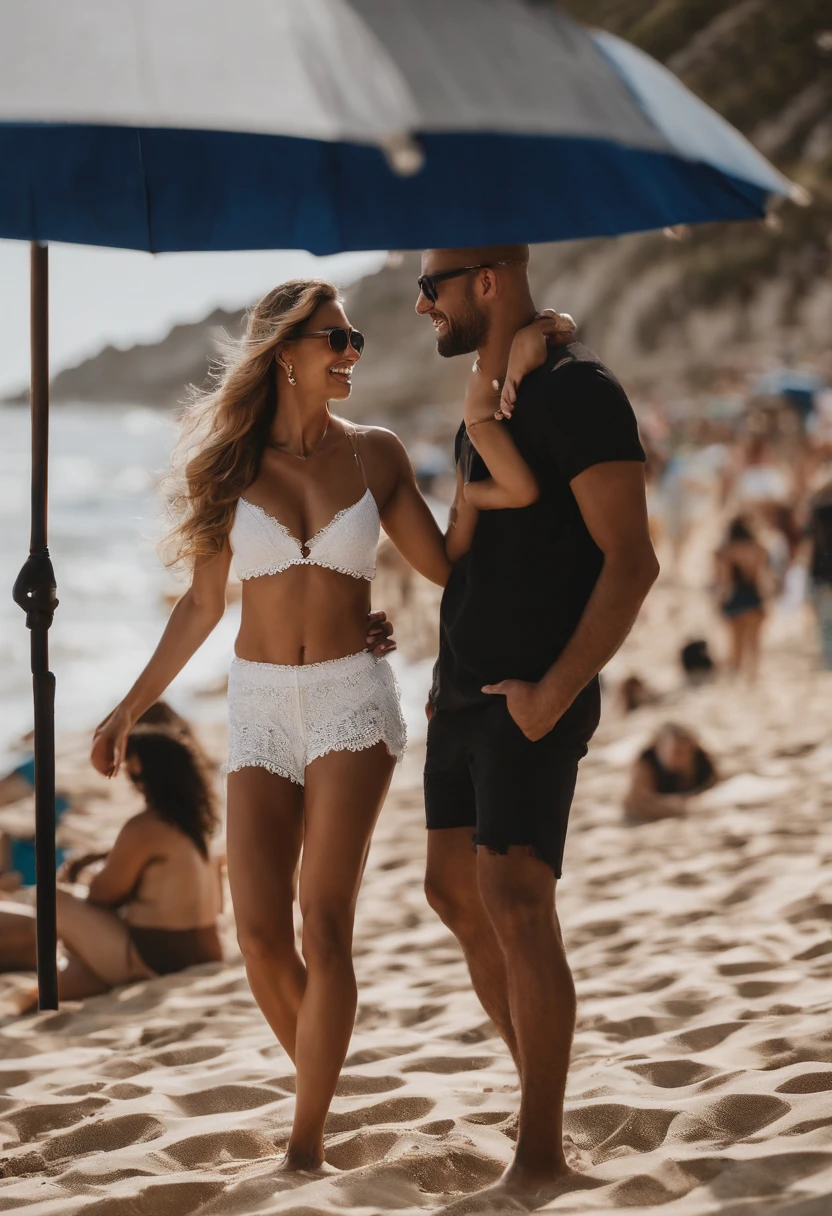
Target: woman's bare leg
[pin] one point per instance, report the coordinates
(735, 630)
(264, 832)
(17, 938)
(76, 980)
(344, 794)
(100, 940)
(753, 622)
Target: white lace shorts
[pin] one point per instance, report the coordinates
(281, 718)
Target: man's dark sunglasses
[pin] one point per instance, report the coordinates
(428, 282)
(339, 338)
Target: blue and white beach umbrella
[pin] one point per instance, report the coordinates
(334, 125)
(325, 125)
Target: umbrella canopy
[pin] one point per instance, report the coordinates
(348, 124)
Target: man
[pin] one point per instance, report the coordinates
(512, 718)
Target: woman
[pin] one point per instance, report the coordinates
(315, 725)
(741, 577)
(152, 907)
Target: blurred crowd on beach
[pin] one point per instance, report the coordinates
(740, 508)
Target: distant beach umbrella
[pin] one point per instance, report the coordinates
(796, 385)
(784, 380)
(325, 125)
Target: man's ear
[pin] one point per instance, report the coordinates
(488, 283)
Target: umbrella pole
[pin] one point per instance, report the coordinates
(34, 591)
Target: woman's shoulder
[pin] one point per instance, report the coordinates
(380, 443)
(147, 826)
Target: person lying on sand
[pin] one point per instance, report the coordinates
(673, 768)
(153, 904)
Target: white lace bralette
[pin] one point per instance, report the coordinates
(263, 545)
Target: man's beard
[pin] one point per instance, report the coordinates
(465, 332)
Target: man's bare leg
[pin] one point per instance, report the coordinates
(519, 893)
(453, 891)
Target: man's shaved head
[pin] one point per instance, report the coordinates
(475, 255)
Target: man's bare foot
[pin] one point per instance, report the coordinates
(521, 1191)
(305, 1163)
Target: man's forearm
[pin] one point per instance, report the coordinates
(609, 616)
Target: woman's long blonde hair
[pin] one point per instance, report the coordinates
(225, 427)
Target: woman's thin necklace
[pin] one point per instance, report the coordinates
(309, 455)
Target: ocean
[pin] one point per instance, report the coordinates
(105, 515)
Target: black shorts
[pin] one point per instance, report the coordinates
(481, 772)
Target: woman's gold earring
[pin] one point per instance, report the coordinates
(290, 369)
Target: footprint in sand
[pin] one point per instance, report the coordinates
(606, 1126)
(640, 1027)
(160, 1036)
(754, 988)
(454, 1170)
(36, 1120)
(121, 1069)
(437, 1127)
(486, 1118)
(80, 1091)
(364, 1148)
(673, 1074)
(817, 951)
(225, 1099)
(769, 1175)
(219, 1148)
(157, 1198)
(644, 1190)
(739, 1115)
(194, 1053)
(105, 1136)
(123, 1091)
(749, 968)
(806, 1083)
(371, 1055)
(349, 1087)
(449, 1064)
(808, 1125)
(11, 1078)
(703, 1038)
(396, 1110)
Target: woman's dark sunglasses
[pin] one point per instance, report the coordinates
(428, 282)
(339, 339)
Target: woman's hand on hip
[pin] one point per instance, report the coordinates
(380, 639)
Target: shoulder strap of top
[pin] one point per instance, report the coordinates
(352, 434)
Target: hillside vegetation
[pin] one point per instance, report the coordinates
(669, 315)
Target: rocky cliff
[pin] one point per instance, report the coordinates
(670, 315)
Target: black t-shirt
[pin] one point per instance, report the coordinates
(513, 601)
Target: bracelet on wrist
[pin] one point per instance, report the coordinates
(469, 426)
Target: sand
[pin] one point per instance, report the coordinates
(702, 1068)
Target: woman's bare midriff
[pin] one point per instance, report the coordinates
(306, 614)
